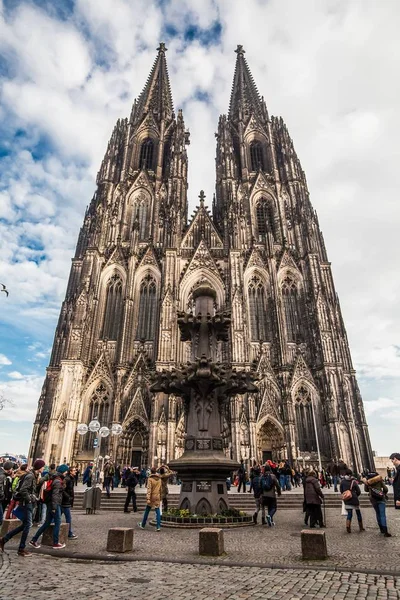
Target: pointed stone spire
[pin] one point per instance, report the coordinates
(156, 96)
(245, 99)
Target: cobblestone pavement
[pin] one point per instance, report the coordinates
(279, 545)
(49, 578)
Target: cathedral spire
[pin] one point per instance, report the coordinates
(156, 95)
(245, 99)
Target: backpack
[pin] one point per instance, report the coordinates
(15, 488)
(46, 490)
(267, 483)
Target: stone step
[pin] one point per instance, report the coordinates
(243, 502)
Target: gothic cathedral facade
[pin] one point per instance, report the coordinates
(137, 262)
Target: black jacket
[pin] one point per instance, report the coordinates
(257, 486)
(349, 483)
(26, 493)
(131, 481)
(68, 492)
(54, 499)
(396, 484)
(3, 479)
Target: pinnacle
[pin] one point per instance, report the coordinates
(245, 98)
(240, 50)
(162, 48)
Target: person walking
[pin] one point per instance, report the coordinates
(6, 470)
(242, 476)
(52, 492)
(313, 498)
(87, 475)
(25, 495)
(257, 491)
(67, 501)
(335, 470)
(269, 487)
(395, 458)
(131, 481)
(377, 492)
(350, 491)
(153, 499)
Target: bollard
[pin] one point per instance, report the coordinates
(47, 539)
(120, 539)
(211, 541)
(313, 544)
(9, 525)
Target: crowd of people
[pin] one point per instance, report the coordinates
(36, 495)
(269, 480)
(42, 495)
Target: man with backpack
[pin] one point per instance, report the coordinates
(51, 494)
(270, 487)
(257, 491)
(25, 496)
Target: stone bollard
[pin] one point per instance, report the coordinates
(47, 539)
(313, 544)
(9, 525)
(120, 539)
(211, 541)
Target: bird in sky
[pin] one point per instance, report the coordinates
(5, 290)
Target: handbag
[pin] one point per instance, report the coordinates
(348, 494)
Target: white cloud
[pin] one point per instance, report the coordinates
(15, 375)
(24, 394)
(4, 360)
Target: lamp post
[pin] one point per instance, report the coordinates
(100, 432)
(316, 434)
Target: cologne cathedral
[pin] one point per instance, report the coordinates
(138, 262)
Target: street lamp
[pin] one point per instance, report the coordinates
(100, 432)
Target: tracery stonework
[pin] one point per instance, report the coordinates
(138, 262)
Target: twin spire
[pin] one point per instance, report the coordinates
(156, 96)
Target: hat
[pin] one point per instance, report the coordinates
(38, 464)
(8, 465)
(62, 469)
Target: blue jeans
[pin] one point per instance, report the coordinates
(288, 484)
(282, 482)
(25, 527)
(1, 513)
(380, 510)
(66, 511)
(146, 514)
(50, 515)
(335, 481)
(350, 514)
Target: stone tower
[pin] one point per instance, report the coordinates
(138, 262)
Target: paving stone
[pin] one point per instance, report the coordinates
(47, 539)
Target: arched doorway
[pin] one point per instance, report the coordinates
(134, 444)
(270, 440)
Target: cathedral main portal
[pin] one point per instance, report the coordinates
(270, 440)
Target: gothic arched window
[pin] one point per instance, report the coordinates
(113, 310)
(147, 316)
(265, 217)
(99, 407)
(256, 156)
(304, 421)
(290, 297)
(258, 311)
(146, 154)
(141, 216)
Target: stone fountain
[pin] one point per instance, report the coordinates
(205, 386)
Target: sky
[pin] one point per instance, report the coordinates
(70, 68)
